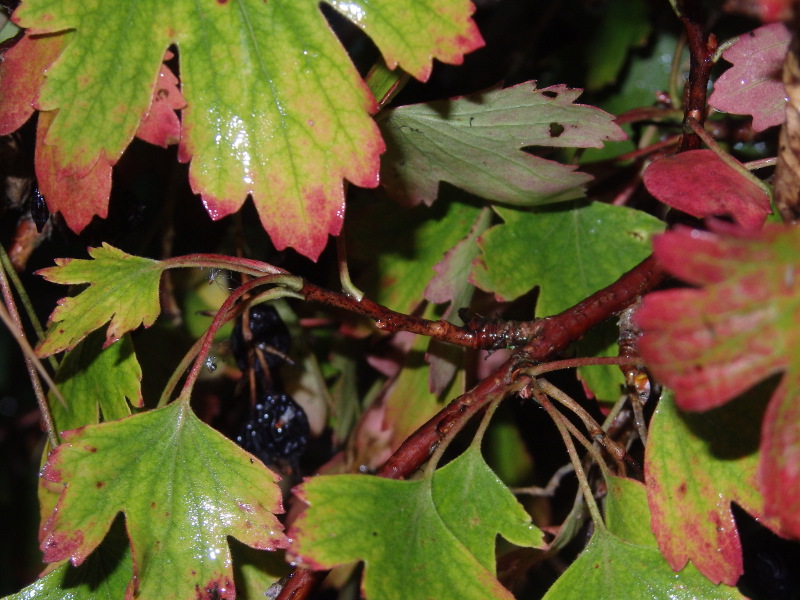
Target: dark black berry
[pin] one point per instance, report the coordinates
(39, 211)
(276, 429)
(268, 338)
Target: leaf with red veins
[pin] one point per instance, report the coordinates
(699, 183)
(78, 199)
(161, 125)
(712, 344)
(754, 84)
(22, 74)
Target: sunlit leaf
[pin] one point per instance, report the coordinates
(699, 183)
(566, 251)
(432, 538)
(184, 489)
(275, 109)
(123, 289)
(475, 144)
(754, 84)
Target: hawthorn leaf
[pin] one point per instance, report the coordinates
(714, 343)
(696, 464)
(432, 538)
(123, 289)
(754, 84)
(451, 285)
(22, 74)
(564, 250)
(609, 569)
(275, 109)
(184, 488)
(93, 379)
(77, 197)
(402, 246)
(104, 575)
(625, 25)
(475, 144)
(160, 126)
(409, 401)
(699, 183)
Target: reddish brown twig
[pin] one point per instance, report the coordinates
(701, 50)
(551, 335)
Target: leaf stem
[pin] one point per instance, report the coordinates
(729, 160)
(583, 482)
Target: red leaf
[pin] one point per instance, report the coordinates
(700, 184)
(712, 344)
(78, 199)
(779, 469)
(754, 85)
(22, 74)
(161, 126)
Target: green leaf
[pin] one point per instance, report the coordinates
(431, 538)
(184, 489)
(475, 144)
(93, 379)
(275, 109)
(104, 575)
(625, 25)
(402, 246)
(569, 253)
(610, 569)
(627, 512)
(696, 464)
(122, 289)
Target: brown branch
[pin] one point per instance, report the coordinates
(549, 336)
(701, 50)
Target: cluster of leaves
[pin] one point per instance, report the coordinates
(478, 206)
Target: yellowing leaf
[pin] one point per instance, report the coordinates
(428, 539)
(475, 144)
(275, 109)
(184, 489)
(122, 289)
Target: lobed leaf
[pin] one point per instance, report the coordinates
(695, 466)
(613, 569)
(754, 84)
(475, 144)
(714, 343)
(564, 251)
(699, 183)
(95, 380)
(275, 109)
(123, 289)
(184, 489)
(432, 538)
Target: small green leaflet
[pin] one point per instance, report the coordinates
(94, 379)
(184, 488)
(432, 538)
(122, 289)
(275, 109)
(475, 144)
